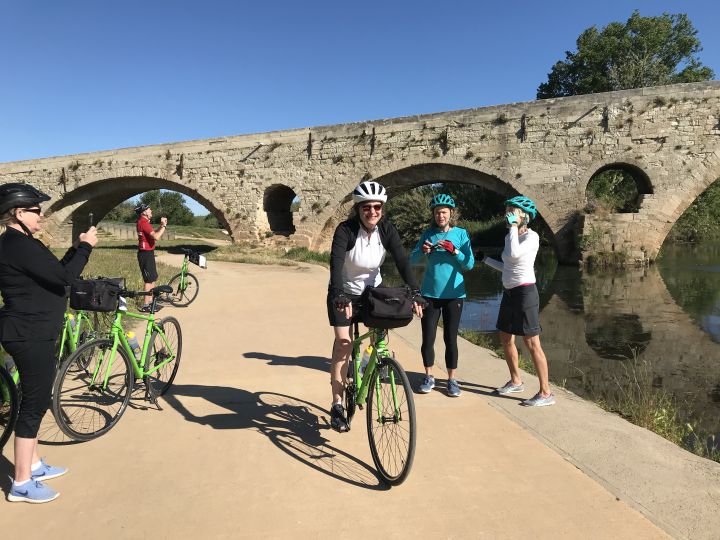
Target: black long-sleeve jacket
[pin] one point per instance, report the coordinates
(344, 240)
(33, 284)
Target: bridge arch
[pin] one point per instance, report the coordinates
(632, 168)
(99, 195)
(277, 205)
(408, 174)
(697, 181)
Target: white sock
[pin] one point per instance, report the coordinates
(18, 484)
(36, 466)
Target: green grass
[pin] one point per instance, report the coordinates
(636, 399)
(267, 255)
(200, 232)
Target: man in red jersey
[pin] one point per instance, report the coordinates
(147, 236)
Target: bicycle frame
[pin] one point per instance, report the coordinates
(183, 273)
(119, 339)
(70, 336)
(379, 350)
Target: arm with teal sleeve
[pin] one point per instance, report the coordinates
(464, 253)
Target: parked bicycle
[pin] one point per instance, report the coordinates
(78, 327)
(384, 387)
(95, 383)
(9, 403)
(185, 286)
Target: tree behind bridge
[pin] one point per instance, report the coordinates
(645, 51)
(169, 204)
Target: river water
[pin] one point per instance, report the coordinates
(603, 330)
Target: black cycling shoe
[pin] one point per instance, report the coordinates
(338, 421)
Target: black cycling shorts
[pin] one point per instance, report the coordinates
(520, 311)
(337, 317)
(146, 260)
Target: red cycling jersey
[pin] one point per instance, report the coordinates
(146, 242)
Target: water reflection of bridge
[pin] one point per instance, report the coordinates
(631, 314)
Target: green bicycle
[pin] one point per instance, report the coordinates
(78, 328)
(185, 286)
(385, 388)
(9, 403)
(95, 383)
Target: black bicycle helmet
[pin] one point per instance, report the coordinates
(16, 195)
(141, 207)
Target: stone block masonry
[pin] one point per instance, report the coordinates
(297, 183)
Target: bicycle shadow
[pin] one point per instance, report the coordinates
(7, 472)
(291, 424)
(320, 363)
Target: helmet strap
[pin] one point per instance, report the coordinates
(22, 225)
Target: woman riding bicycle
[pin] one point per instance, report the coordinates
(520, 306)
(33, 282)
(358, 250)
(447, 253)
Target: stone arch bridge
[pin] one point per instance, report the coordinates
(668, 137)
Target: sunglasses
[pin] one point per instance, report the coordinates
(368, 207)
(37, 211)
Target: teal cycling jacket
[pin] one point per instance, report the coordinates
(443, 271)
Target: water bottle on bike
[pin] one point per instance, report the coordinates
(365, 359)
(7, 361)
(133, 342)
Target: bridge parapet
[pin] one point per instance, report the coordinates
(546, 149)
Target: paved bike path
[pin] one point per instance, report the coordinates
(243, 449)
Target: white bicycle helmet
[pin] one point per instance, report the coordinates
(369, 191)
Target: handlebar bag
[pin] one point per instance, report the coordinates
(100, 294)
(197, 259)
(386, 307)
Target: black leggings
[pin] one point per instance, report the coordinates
(35, 361)
(451, 309)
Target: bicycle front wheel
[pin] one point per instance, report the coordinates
(391, 421)
(9, 406)
(92, 390)
(181, 297)
(164, 356)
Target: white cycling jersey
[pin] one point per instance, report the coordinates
(363, 261)
(518, 258)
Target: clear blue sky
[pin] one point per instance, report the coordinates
(80, 76)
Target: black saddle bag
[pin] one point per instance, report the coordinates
(386, 307)
(100, 294)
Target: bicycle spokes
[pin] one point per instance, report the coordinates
(391, 421)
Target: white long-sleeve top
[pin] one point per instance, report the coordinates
(518, 258)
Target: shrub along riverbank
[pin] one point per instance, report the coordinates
(635, 398)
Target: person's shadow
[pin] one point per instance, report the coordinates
(291, 424)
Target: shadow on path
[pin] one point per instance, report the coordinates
(291, 424)
(7, 471)
(320, 363)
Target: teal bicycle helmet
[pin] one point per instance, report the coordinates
(441, 199)
(524, 204)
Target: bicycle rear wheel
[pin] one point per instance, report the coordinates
(9, 406)
(161, 349)
(83, 405)
(185, 297)
(391, 421)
